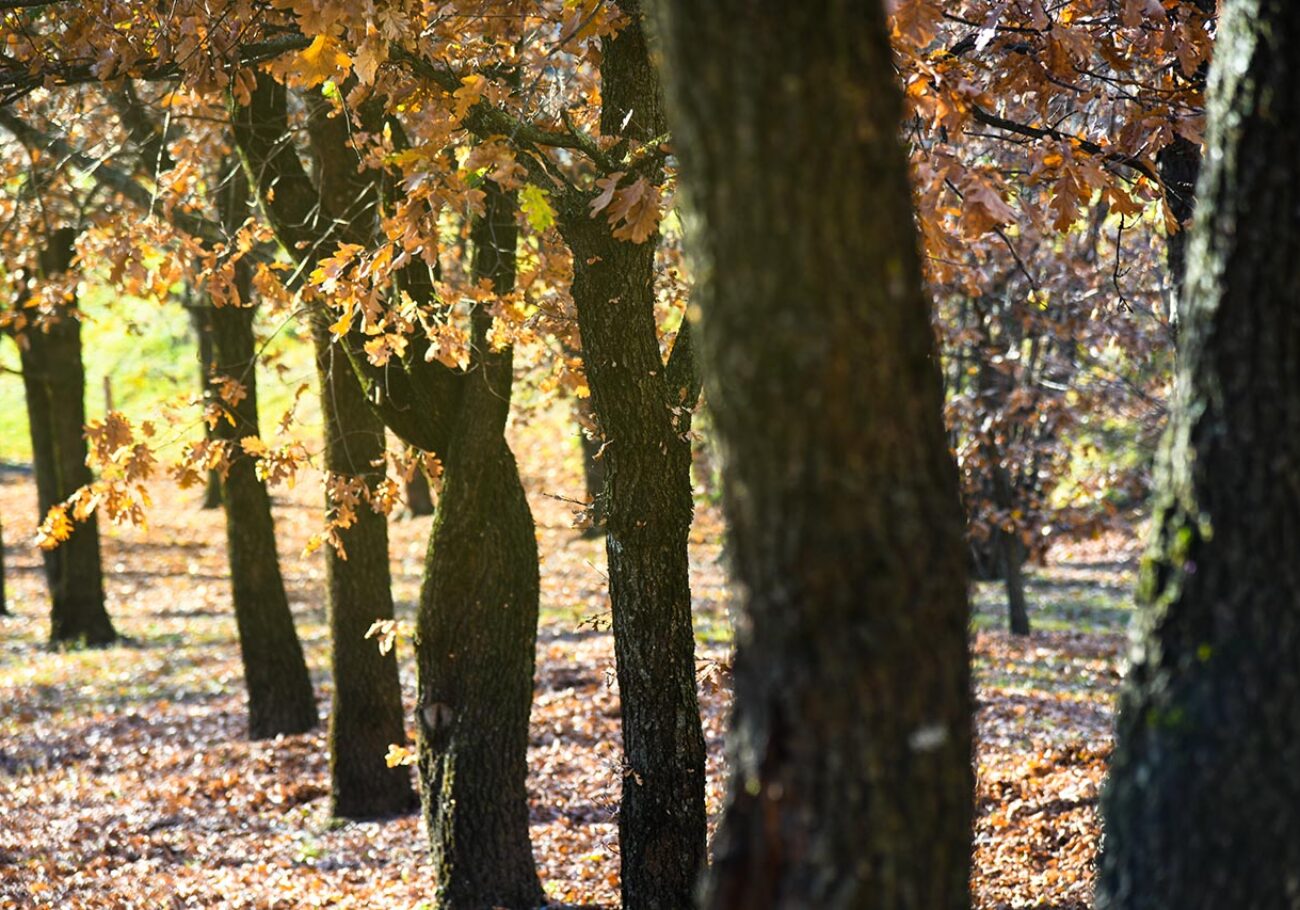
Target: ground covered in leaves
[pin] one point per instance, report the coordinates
(126, 781)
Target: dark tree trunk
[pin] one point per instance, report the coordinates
(851, 739)
(593, 464)
(280, 697)
(201, 322)
(477, 625)
(1179, 164)
(419, 498)
(367, 711)
(642, 408)
(55, 384)
(1202, 809)
(477, 628)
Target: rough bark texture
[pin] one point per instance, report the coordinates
(280, 698)
(54, 381)
(851, 740)
(1202, 809)
(643, 409)
(366, 716)
(477, 627)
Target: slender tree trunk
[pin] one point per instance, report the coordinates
(642, 407)
(593, 465)
(201, 322)
(280, 697)
(4, 602)
(851, 739)
(1202, 809)
(367, 710)
(55, 384)
(477, 628)
(419, 497)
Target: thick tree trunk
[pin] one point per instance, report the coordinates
(280, 697)
(367, 711)
(201, 322)
(642, 408)
(851, 739)
(477, 624)
(1202, 809)
(477, 629)
(55, 384)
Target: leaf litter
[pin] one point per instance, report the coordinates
(126, 780)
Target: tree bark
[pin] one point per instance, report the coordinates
(477, 627)
(851, 739)
(366, 716)
(201, 322)
(477, 624)
(55, 384)
(280, 697)
(593, 465)
(1202, 809)
(419, 497)
(643, 408)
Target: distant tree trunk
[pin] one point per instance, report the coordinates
(280, 697)
(1011, 556)
(419, 497)
(477, 628)
(1202, 809)
(1179, 165)
(642, 407)
(201, 322)
(851, 740)
(593, 465)
(55, 383)
(4, 602)
(367, 712)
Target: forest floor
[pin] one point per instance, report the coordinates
(126, 781)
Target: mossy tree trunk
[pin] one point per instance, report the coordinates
(476, 633)
(642, 406)
(280, 697)
(1202, 808)
(55, 384)
(851, 739)
(366, 716)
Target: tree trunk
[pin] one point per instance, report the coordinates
(477, 628)
(367, 711)
(280, 697)
(593, 465)
(4, 602)
(201, 322)
(477, 624)
(1202, 809)
(642, 408)
(419, 498)
(851, 740)
(55, 384)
